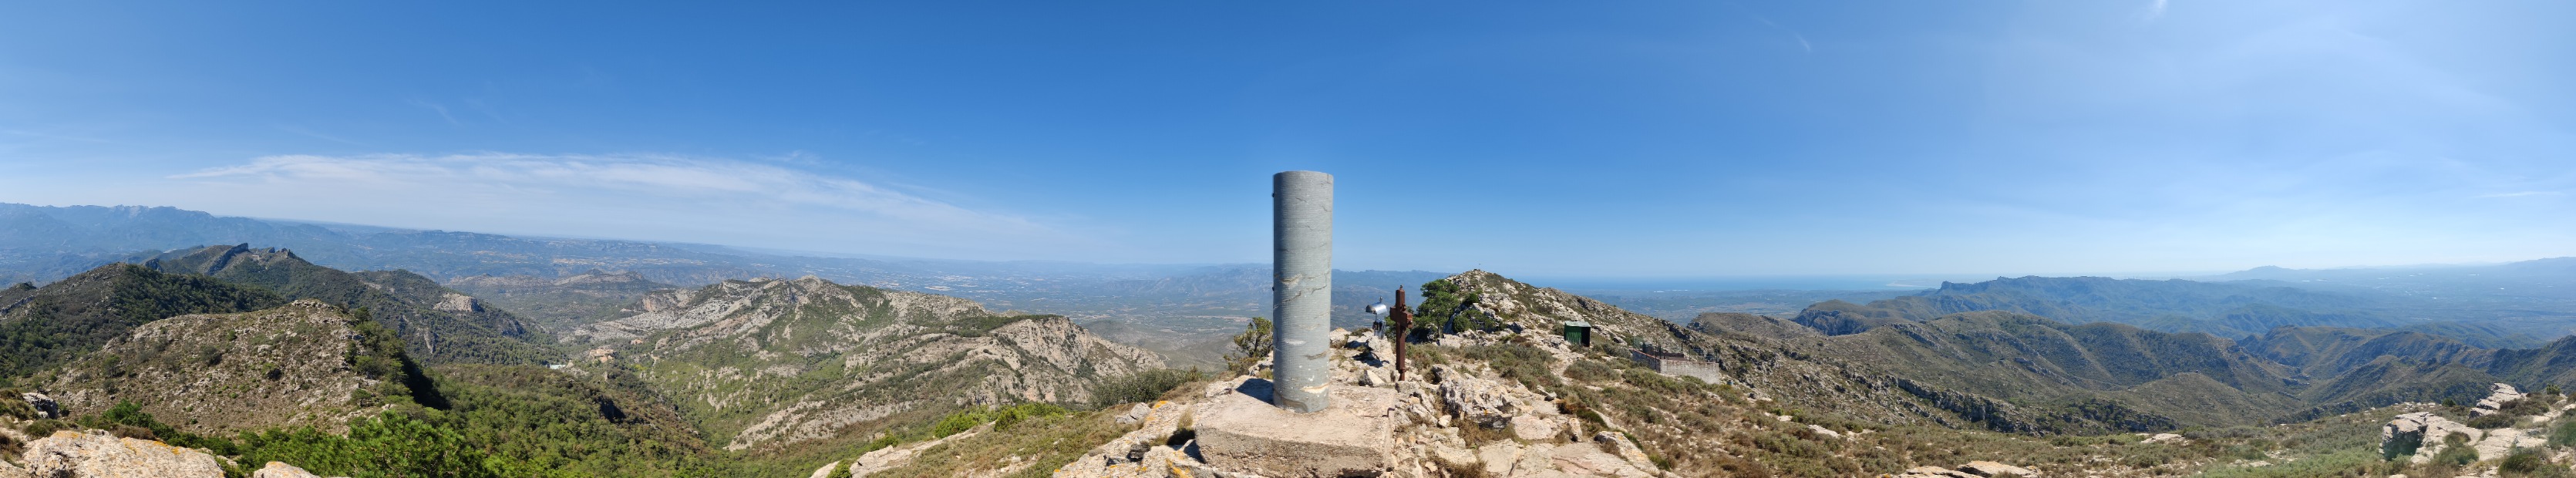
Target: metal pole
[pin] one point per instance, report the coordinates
(1302, 259)
(1402, 321)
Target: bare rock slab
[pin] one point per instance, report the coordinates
(75, 454)
(1242, 431)
(282, 470)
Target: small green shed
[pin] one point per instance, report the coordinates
(1578, 333)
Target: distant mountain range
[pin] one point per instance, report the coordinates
(2240, 308)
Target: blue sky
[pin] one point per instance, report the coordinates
(1557, 138)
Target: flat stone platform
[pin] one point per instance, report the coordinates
(1241, 430)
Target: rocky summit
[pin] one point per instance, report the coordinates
(1465, 420)
(305, 364)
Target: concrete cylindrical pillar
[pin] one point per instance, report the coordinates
(1301, 248)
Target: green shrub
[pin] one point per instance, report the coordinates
(2456, 451)
(2530, 463)
(1146, 386)
(2492, 421)
(968, 419)
(389, 445)
(43, 428)
(13, 407)
(2523, 407)
(1250, 346)
(2564, 434)
(1525, 364)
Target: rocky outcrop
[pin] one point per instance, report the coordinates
(1974, 469)
(1376, 426)
(74, 454)
(1544, 310)
(892, 457)
(44, 405)
(1476, 401)
(454, 302)
(282, 470)
(299, 365)
(2421, 435)
(2496, 400)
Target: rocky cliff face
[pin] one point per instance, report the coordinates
(303, 364)
(775, 362)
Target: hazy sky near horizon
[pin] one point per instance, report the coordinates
(1557, 138)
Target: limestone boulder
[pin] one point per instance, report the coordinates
(2424, 432)
(75, 454)
(1533, 428)
(1135, 414)
(2503, 392)
(1477, 401)
(454, 302)
(282, 470)
(1993, 469)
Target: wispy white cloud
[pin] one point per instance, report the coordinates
(2156, 10)
(657, 197)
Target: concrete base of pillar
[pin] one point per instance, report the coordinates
(1241, 431)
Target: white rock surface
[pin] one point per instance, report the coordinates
(1533, 428)
(1988, 468)
(1475, 400)
(2502, 441)
(75, 454)
(454, 302)
(2504, 392)
(2425, 429)
(282, 470)
(1406, 428)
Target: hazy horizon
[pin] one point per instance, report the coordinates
(1583, 282)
